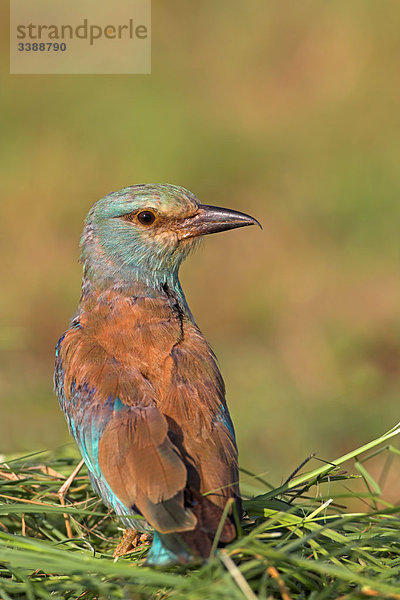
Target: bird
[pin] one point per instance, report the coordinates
(139, 384)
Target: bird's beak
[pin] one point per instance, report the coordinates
(212, 219)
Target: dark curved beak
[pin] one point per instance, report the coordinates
(212, 219)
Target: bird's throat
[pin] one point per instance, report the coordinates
(134, 283)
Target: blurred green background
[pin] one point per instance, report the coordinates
(288, 111)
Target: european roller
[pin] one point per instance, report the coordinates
(139, 384)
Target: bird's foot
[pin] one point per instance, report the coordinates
(131, 540)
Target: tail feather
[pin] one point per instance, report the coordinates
(193, 545)
(168, 549)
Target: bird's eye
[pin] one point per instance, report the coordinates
(146, 217)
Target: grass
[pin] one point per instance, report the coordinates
(291, 116)
(297, 541)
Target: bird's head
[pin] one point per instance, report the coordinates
(145, 231)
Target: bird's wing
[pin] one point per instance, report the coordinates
(214, 461)
(202, 429)
(125, 446)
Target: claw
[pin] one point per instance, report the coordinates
(131, 540)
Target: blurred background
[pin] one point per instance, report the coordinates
(287, 111)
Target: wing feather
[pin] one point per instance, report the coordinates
(126, 446)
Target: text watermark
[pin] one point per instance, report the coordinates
(80, 36)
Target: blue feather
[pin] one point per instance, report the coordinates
(167, 549)
(225, 418)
